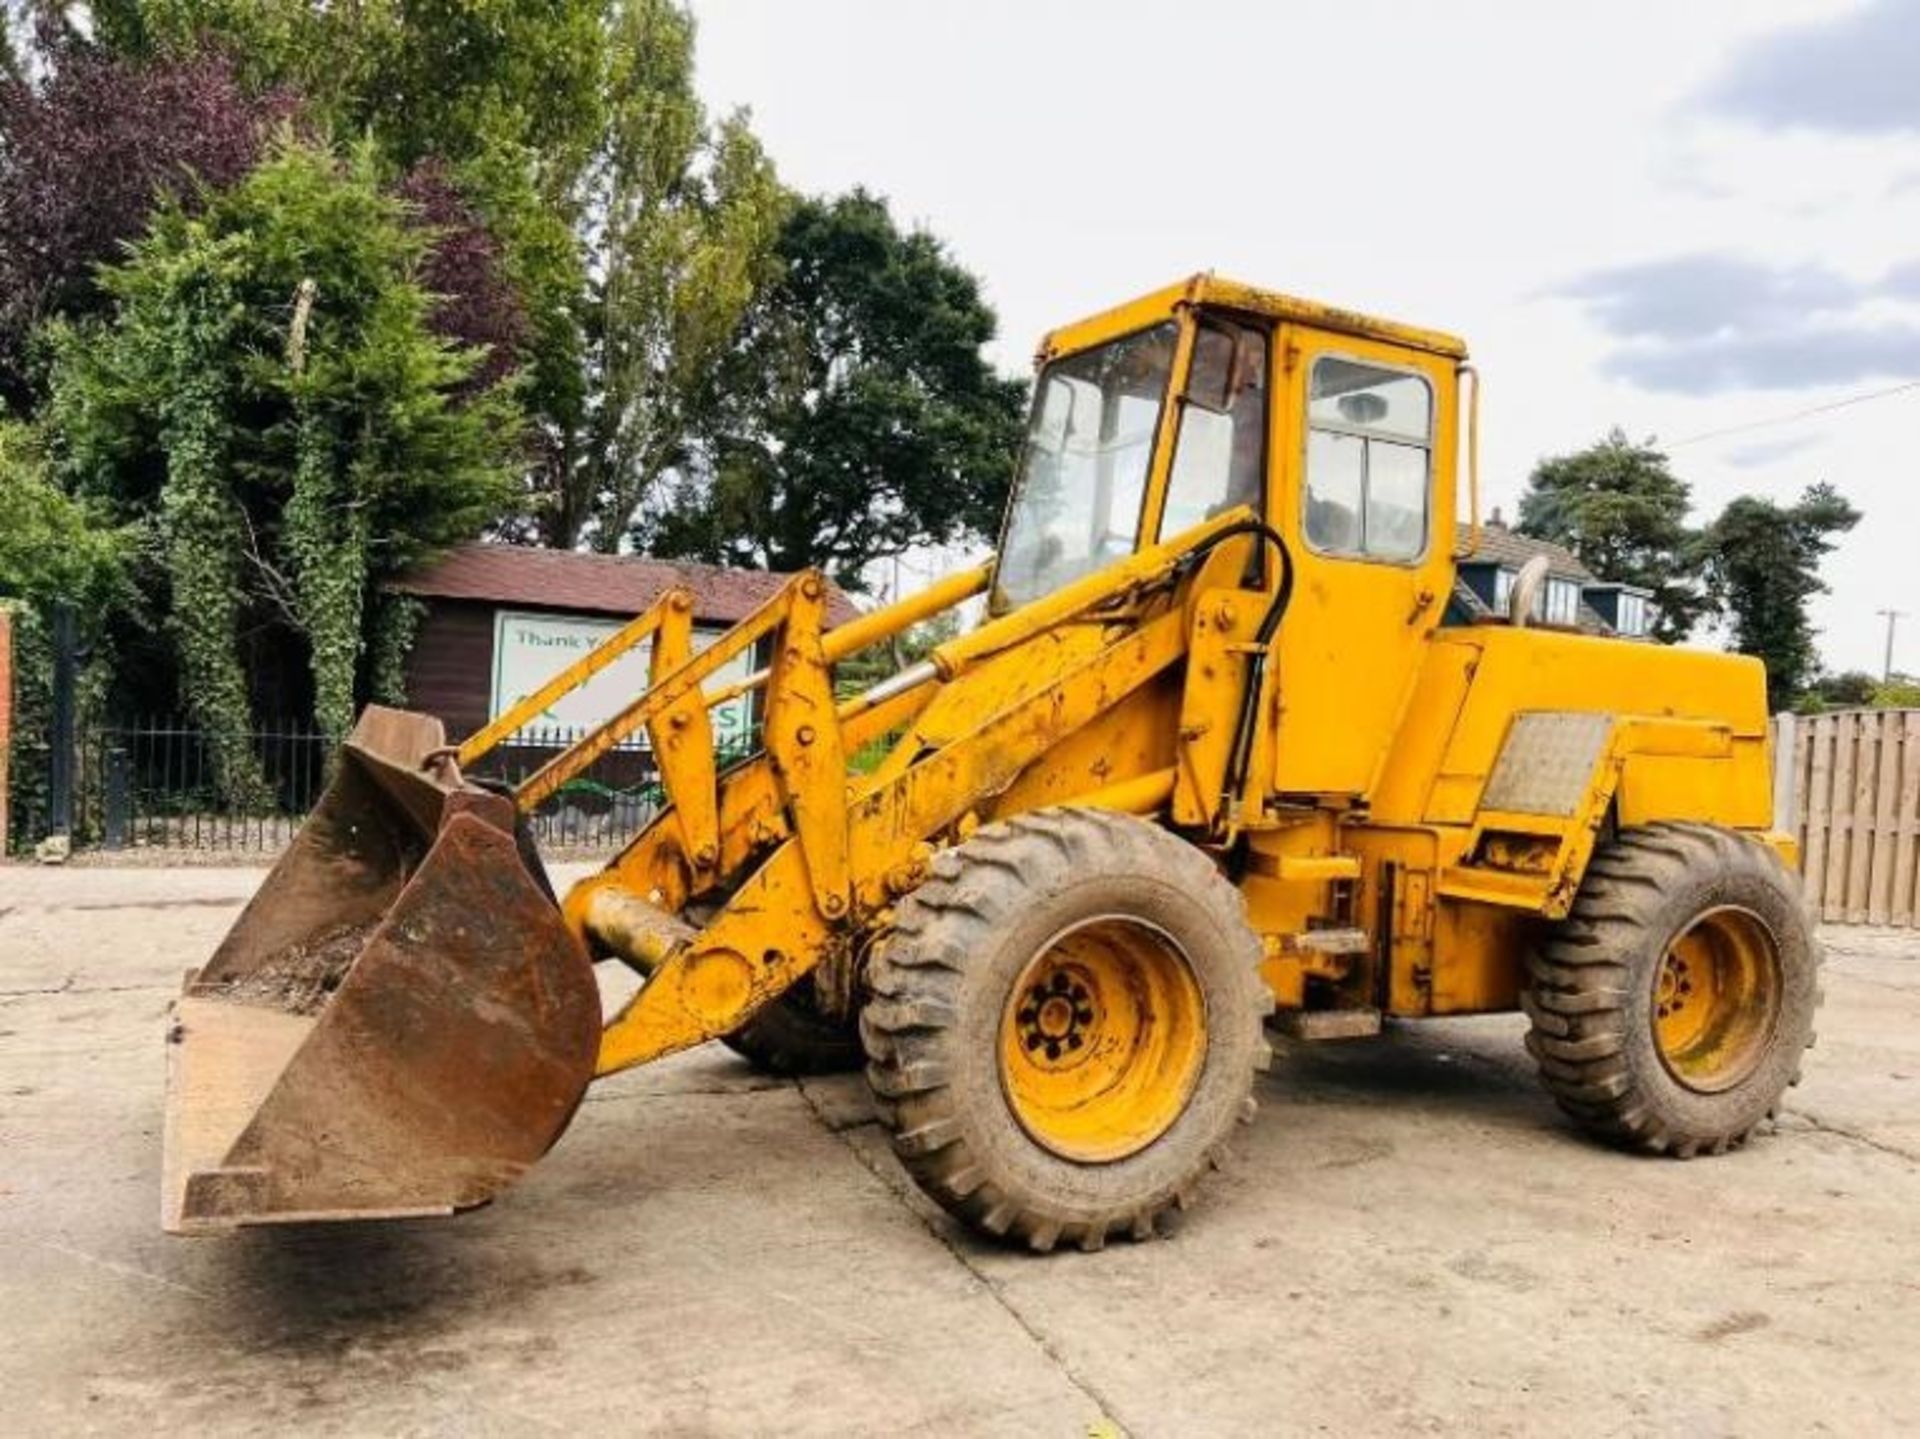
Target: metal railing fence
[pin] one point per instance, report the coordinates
(152, 784)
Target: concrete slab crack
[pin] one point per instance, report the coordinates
(717, 1091)
(111, 906)
(1821, 1126)
(994, 1290)
(67, 986)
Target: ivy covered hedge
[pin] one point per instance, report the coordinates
(267, 394)
(53, 548)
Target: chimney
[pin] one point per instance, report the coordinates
(1496, 521)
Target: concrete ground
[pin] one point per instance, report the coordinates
(1412, 1240)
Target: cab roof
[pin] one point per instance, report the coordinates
(1211, 289)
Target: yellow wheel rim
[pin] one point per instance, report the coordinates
(1716, 999)
(1102, 1039)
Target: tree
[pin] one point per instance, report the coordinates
(83, 161)
(52, 546)
(1856, 689)
(475, 302)
(1623, 513)
(1851, 689)
(633, 230)
(502, 100)
(420, 77)
(53, 549)
(856, 417)
(685, 217)
(269, 392)
(1762, 565)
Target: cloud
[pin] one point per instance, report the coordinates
(1701, 324)
(1694, 294)
(1854, 75)
(1787, 360)
(1767, 452)
(1903, 280)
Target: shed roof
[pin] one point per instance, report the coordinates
(600, 584)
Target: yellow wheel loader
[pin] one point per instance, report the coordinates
(1215, 762)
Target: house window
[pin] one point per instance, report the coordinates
(1557, 602)
(1368, 434)
(1635, 616)
(1561, 604)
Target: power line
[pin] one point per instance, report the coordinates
(1807, 413)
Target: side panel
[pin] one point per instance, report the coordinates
(1676, 734)
(1531, 669)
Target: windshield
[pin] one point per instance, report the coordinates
(1083, 478)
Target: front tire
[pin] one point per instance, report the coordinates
(1671, 1008)
(1065, 1025)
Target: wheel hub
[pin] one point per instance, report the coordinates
(1676, 987)
(1056, 1017)
(1717, 999)
(1102, 1040)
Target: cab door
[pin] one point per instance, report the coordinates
(1365, 443)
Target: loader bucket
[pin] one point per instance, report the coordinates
(398, 1024)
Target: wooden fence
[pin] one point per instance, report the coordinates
(1848, 787)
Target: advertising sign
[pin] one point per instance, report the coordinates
(530, 649)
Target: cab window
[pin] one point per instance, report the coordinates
(1369, 442)
(1082, 484)
(1219, 458)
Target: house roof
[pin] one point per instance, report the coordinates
(601, 584)
(1501, 546)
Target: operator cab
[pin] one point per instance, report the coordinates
(1337, 430)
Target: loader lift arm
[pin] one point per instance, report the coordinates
(804, 856)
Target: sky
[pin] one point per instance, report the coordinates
(1681, 219)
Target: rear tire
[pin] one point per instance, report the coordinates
(1671, 1008)
(1065, 1026)
(791, 1036)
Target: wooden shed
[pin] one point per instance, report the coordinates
(502, 618)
